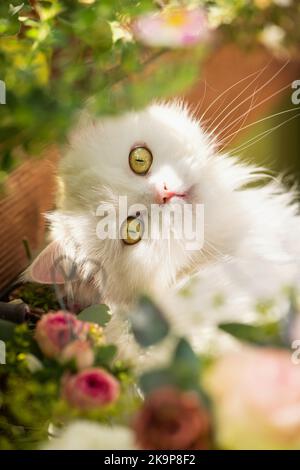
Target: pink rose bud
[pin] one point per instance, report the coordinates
(55, 330)
(80, 352)
(91, 388)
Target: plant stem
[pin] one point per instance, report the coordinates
(27, 249)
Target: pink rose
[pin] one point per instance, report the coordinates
(79, 351)
(55, 330)
(91, 388)
(172, 419)
(256, 397)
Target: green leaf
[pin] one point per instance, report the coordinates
(105, 354)
(98, 314)
(7, 330)
(183, 372)
(156, 379)
(148, 323)
(184, 356)
(185, 353)
(93, 30)
(186, 366)
(261, 335)
(15, 9)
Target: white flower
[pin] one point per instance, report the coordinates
(283, 3)
(120, 32)
(33, 363)
(218, 15)
(87, 435)
(272, 36)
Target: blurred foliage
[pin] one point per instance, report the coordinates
(246, 22)
(57, 56)
(40, 298)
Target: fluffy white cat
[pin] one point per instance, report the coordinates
(251, 232)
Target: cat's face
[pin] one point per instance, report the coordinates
(173, 145)
(156, 157)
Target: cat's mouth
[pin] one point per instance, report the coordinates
(166, 196)
(174, 196)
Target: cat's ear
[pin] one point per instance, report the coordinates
(47, 267)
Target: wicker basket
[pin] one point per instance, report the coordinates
(29, 194)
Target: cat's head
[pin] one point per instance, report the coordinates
(158, 159)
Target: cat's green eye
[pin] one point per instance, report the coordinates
(132, 230)
(140, 160)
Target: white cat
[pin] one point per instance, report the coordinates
(251, 233)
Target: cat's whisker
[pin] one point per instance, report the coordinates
(215, 251)
(260, 136)
(263, 134)
(254, 107)
(254, 123)
(209, 252)
(258, 74)
(204, 254)
(169, 248)
(214, 114)
(198, 107)
(246, 99)
(227, 90)
(211, 257)
(241, 125)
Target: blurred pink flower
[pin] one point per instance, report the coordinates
(172, 419)
(55, 330)
(79, 351)
(172, 27)
(256, 397)
(91, 388)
